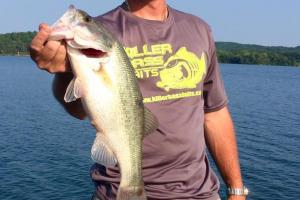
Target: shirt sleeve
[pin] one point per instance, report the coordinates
(214, 93)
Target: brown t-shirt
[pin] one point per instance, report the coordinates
(179, 76)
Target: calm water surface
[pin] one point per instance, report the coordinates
(45, 153)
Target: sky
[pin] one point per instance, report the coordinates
(262, 22)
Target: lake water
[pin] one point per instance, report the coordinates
(45, 153)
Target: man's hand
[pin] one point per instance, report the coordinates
(48, 55)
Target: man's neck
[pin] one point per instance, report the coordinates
(149, 9)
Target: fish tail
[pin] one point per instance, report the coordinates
(132, 193)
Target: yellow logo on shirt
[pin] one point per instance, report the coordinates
(184, 70)
(180, 70)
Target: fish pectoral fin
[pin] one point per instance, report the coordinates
(101, 152)
(73, 91)
(151, 122)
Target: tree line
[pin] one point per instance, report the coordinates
(15, 43)
(228, 52)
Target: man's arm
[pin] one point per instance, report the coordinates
(51, 56)
(60, 83)
(221, 141)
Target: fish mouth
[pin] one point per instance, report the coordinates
(88, 49)
(93, 53)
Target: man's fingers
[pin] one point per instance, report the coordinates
(44, 26)
(47, 53)
(40, 39)
(60, 61)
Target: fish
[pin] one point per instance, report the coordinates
(105, 82)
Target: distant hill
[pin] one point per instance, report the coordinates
(228, 52)
(15, 43)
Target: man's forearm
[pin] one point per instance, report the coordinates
(60, 83)
(221, 141)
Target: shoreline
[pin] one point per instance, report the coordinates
(261, 64)
(15, 55)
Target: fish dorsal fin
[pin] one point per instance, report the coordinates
(101, 152)
(151, 122)
(73, 91)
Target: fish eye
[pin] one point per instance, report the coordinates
(87, 18)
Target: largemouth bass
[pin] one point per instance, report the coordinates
(105, 82)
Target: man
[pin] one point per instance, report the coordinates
(174, 57)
